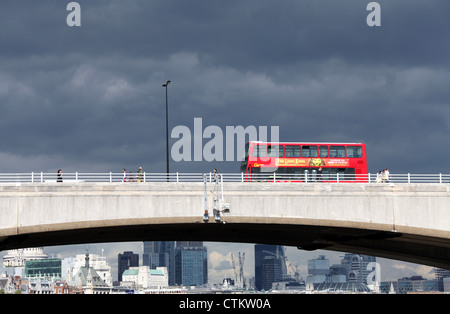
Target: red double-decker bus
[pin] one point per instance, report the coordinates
(305, 162)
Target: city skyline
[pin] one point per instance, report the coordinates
(220, 264)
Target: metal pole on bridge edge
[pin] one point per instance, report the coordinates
(167, 132)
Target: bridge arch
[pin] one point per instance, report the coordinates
(409, 222)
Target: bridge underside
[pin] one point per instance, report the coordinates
(393, 245)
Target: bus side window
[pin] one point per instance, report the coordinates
(323, 151)
(309, 151)
(281, 151)
(292, 151)
(337, 151)
(274, 151)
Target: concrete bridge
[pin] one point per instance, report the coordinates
(409, 222)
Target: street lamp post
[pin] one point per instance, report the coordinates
(167, 131)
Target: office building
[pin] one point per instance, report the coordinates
(270, 265)
(144, 277)
(48, 268)
(160, 254)
(318, 270)
(125, 261)
(191, 264)
(441, 274)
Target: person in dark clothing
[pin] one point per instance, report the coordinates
(215, 175)
(59, 176)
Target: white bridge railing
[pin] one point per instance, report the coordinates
(77, 177)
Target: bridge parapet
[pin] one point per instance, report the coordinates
(77, 177)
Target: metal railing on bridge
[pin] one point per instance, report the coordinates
(79, 177)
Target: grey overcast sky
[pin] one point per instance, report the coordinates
(90, 99)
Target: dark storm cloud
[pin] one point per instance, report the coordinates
(91, 97)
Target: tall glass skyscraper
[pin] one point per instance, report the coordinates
(191, 263)
(270, 265)
(160, 254)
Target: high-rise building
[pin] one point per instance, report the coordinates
(440, 276)
(318, 270)
(160, 254)
(270, 265)
(191, 263)
(189, 243)
(126, 260)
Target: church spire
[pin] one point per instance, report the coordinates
(86, 264)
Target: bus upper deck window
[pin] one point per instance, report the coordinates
(309, 151)
(292, 150)
(323, 151)
(337, 151)
(275, 150)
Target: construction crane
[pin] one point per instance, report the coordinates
(280, 257)
(234, 268)
(294, 268)
(241, 269)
